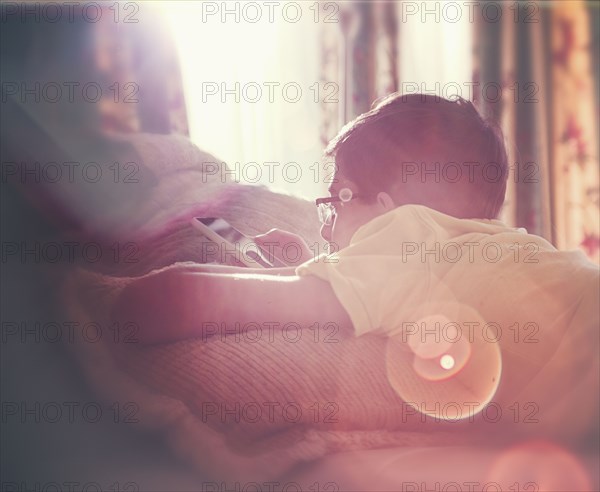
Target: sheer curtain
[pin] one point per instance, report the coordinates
(341, 56)
(435, 55)
(250, 89)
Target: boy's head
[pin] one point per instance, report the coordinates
(417, 149)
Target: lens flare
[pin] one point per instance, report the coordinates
(425, 338)
(447, 362)
(540, 466)
(443, 362)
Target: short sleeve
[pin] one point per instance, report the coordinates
(370, 277)
(342, 272)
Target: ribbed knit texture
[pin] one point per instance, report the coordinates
(341, 388)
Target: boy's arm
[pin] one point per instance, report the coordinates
(176, 304)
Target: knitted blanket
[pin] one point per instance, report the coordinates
(249, 407)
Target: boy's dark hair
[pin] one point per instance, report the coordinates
(424, 149)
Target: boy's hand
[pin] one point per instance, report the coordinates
(288, 247)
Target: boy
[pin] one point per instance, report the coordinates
(418, 254)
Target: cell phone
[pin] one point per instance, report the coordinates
(231, 246)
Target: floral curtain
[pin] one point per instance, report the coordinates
(537, 73)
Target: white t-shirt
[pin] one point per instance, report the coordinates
(413, 266)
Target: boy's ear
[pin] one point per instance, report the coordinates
(385, 201)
